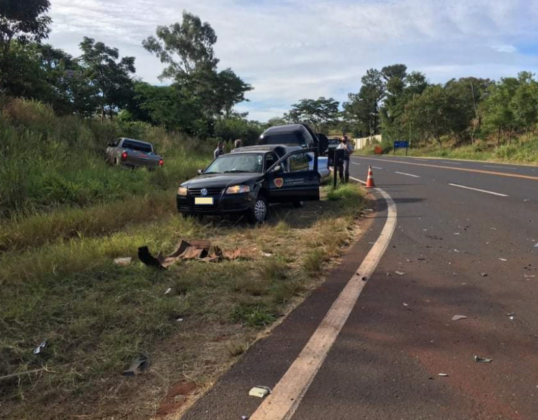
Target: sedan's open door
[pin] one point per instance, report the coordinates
(291, 179)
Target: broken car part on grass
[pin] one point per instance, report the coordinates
(193, 250)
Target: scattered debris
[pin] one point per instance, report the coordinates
(529, 276)
(365, 279)
(41, 348)
(399, 273)
(479, 359)
(536, 245)
(434, 237)
(456, 251)
(458, 317)
(168, 291)
(406, 305)
(457, 233)
(421, 259)
(267, 254)
(511, 315)
(245, 417)
(194, 250)
(260, 391)
(179, 318)
(484, 274)
(444, 375)
(140, 365)
(503, 259)
(124, 262)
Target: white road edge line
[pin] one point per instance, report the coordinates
(358, 164)
(377, 167)
(288, 393)
(406, 174)
(478, 189)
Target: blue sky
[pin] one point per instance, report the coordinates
(290, 49)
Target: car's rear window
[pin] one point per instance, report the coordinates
(135, 145)
(285, 138)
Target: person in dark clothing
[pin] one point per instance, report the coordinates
(219, 150)
(343, 167)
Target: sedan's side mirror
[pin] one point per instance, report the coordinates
(200, 171)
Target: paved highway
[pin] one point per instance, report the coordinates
(465, 243)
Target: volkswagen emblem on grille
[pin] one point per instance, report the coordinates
(203, 192)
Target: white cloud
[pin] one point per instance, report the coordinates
(294, 49)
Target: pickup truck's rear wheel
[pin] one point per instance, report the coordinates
(258, 212)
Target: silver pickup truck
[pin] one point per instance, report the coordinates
(133, 153)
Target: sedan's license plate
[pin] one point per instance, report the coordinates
(203, 201)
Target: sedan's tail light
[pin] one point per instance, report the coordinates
(124, 156)
(161, 162)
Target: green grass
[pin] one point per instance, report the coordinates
(523, 150)
(98, 316)
(49, 162)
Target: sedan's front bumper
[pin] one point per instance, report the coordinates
(224, 204)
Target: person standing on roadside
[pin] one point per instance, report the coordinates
(343, 167)
(219, 150)
(237, 144)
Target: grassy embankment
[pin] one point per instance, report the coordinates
(523, 150)
(67, 215)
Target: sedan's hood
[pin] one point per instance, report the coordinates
(220, 180)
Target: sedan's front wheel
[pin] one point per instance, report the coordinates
(258, 212)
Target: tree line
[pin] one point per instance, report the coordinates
(199, 99)
(403, 105)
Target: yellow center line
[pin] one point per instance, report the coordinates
(478, 171)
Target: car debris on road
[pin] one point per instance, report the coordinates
(41, 348)
(479, 359)
(458, 317)
(260, 391)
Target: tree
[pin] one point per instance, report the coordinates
(498, 113)
(321, 113)
(362, 109)
(184, 46)
(187, 49)
(21, 22)
(434, 114)
(109, 74)
(524, 103)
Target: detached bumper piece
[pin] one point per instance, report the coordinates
(194, 250)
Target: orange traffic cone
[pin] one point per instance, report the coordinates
(370, 180)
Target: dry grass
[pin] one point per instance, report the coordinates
(97, 316)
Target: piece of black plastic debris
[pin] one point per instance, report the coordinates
(479, 359)
(41, 348)
(365, 279)
(145, 256)
(484, 274)
(140, 365)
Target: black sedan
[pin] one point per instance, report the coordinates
(249, 179)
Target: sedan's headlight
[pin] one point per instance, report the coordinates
(238, 189)
(182, 191)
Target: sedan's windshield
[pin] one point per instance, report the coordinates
(237, 163)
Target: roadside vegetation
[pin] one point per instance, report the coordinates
(97, 316)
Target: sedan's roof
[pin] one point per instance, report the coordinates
(266, 148)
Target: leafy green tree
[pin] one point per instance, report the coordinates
(498, 112)
(184, 46)
(321, 113)
(238, 127)
(109, 74)
(524, 103)
(434, 114)
(187, 50)
(21, 21)
(361, 111)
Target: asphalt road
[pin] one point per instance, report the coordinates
(465, 244)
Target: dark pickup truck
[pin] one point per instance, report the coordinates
(249, 179)
(133, 153)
